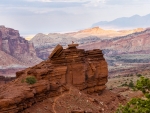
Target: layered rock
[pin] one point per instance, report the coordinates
(85, 70)
(12, 43)
(13, 46)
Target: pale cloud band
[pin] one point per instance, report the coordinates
(34, 16)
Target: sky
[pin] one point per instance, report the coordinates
(47, 16)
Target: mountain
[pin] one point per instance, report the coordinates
(135, 21)
(132, 43)
(15, 51)
(45, 43)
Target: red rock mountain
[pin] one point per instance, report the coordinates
(15, 51)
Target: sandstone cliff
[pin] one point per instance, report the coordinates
(15, 50)
(64, 83)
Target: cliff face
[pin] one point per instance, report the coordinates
(64, 79)
(12, 43)
(12, 46)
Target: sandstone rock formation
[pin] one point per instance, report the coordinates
(87, 70)
(64, 79)
(15, 50)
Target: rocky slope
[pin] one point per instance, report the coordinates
(45, 43)
(73, 85)
(15, 51)
(133, 43)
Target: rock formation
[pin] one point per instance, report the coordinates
(11, 42)
(19, 50)
(65, 78)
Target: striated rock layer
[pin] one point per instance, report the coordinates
(69, 74)
(15, 51)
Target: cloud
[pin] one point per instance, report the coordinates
(126, 2)
(34, 16)
(42, 3)
(58, 0)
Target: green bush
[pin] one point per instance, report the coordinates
(138, 75)
(131, 84)
(138, 105)
(31, 80)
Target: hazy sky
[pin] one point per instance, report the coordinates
(46, 16)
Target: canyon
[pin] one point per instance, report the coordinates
(121, 52)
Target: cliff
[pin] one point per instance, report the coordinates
(12, 43)
(63, 82)
(13, 46)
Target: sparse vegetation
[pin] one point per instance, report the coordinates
(31, 80)
(138, 75)
(131, 84)
(138, 105)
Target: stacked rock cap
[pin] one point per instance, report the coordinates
(85, 70)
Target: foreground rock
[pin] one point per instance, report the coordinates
(64, 83)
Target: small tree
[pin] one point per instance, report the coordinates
(138, 75)
(138, 105)
(30, 79)
(131, 84)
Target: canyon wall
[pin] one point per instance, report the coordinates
(12, 43)
(16, 52)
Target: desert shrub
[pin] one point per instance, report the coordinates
(138, 75)
(31, 80)
(138, 105)
(125, 84)
(131, 75)
(131, 84)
